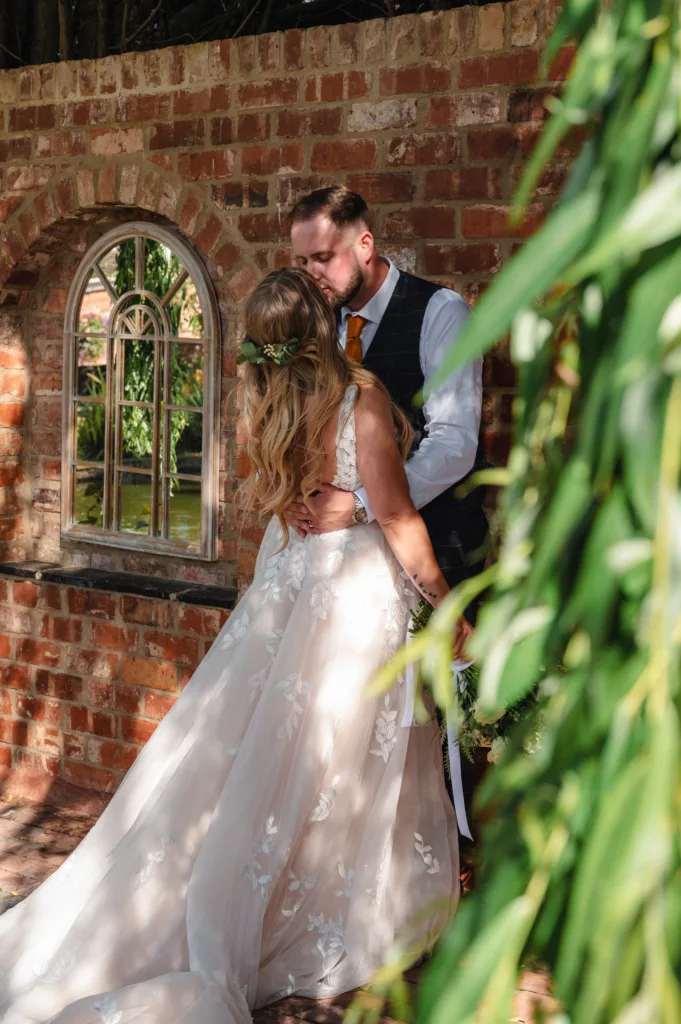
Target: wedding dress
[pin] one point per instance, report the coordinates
(278, 830)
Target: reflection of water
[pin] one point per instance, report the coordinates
(185, 510)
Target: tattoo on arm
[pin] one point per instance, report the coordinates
(422, 587)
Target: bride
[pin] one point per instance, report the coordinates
(280, 828)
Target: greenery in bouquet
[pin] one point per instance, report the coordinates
(474, 730)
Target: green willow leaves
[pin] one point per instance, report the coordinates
(580, 856)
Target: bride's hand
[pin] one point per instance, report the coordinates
(463, 631)
(298, 517)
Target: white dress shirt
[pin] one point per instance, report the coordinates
(452, 413)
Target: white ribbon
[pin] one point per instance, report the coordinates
(458, 668)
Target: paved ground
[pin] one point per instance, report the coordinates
(40, 827)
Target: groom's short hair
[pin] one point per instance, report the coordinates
(339, 203)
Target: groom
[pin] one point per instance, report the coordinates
(400, 327)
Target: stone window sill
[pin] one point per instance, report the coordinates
(123, 583)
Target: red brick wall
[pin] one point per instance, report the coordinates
(85, 676)
(431, 117)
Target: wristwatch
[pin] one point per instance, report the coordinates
(359, 516)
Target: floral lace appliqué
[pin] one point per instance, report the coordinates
(326, 801)
(297, 569)
(347, 876)
(107, 1009)
(386, 728)
(297, 692)
(236, 632)
(150, 862)
(53, 969)
(301, 886)
(331, 939)
(256, 873)
(322, 595)
(346, 476)
(432, 863)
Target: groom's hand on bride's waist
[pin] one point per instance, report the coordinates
(329, 510)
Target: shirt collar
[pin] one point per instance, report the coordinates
(374, 309)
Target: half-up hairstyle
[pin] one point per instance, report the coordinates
(288, 408)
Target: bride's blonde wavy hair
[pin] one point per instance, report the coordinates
(288, 408)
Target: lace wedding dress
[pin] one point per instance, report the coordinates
(277, 831)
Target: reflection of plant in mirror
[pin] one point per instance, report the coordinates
(92, 419)
(93, 324)
(161, 268)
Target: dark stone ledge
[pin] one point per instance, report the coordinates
(123, 583)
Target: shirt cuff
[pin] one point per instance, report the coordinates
(361, 494)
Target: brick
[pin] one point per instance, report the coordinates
(505, 143)
(502, 69)
(423, 150)
(374, 40)
(562, 64)
(203, 101)
(110, 754)
(145, 611)
(18, 148)
(64, 630)
(221, 131)
(5, 646)
(189, 212)
(393, 114)
(113, 638)
(260, 227)
(241, 284)
(245, 46)
(167, 647)
(94, 603)
(464, 183)
(431, 33)
(202, 621)
(116, 141)
(414, 78)
(491, 27)
(91, 663)
(39, 652)
(226, 257)
(264, 160)
(144, 107)
(332, 87)
(15, 677)
(523, 23)
(294, 57)
(474, 258)
(294, 124)
(27, 178)
(39, 710)
(347, 43)
(157, 705)
(420, 222)
(207, 165)
(85, 114)
(253, 128)
(15, 732)
(358, 84)
(84, 775)
(177, 134)
(354, 155)
(269, 51)
(466, 109)
(8, 205)
(58, 684)
(401, 36)
(319, 46)
(220, 59)
(32, 119)
(383, 188)
(492, 222)
(13, 383)
(208, 236)
(13, 620)
(137, 730)
(463, 29)
(529, 104)
(274, 92)
(157, 675)
(127, 699)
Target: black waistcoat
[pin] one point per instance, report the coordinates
(457, 526)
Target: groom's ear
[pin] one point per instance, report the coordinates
(366, 245)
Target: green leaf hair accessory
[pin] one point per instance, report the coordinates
(278, 353)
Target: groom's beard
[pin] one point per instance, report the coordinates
(339, 299)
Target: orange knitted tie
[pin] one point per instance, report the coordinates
(353, 344)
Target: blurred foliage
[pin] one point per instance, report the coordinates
(579, 860)
(42, 31)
